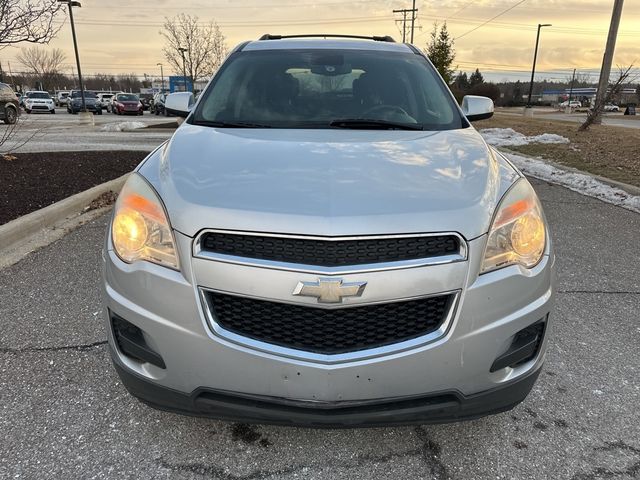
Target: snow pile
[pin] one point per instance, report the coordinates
(508, 137)
(578, 182)
(123, 126)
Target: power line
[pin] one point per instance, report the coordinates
(491, 19)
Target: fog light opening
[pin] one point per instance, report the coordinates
(130, 341)
(524, 347)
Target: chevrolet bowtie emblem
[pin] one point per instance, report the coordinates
(330, 290)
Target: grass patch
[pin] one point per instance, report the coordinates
(612, 152)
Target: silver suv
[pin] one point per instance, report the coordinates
(326, 240)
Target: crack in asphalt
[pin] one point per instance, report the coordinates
(219, 473)
(608, 292)
(601, 472)
(431, 452)
(80, 348)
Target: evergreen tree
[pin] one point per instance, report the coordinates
(441, 53)
(476, 78)
(461, 82)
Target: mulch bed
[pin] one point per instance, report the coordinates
(32, 181)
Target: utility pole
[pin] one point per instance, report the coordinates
(573, 77)
(535, 57)
(404, 12)
(607, 59)
(184, 68)
(71, 4)
(413, 18)
(161, 77)
(404, 24)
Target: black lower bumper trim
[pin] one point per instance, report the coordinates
(439, 408)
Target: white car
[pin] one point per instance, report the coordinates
(38, 101)
(105, 100)
(62, 97)
(610, 107)
(572, 104)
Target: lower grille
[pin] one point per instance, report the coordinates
(332, 331)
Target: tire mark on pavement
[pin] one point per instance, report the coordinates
(631, 471)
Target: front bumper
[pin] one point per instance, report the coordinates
(443, 379)
(440, 407)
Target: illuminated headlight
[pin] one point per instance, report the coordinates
(140, 229)
(518, 234)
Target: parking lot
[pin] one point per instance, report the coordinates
(64, 413)
(65, 132)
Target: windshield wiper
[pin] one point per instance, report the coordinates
(208, 123)
(371, 124)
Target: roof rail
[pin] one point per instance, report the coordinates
(375, 38)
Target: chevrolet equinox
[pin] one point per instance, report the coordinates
(327, 241)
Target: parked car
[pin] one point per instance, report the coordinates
(611, 107)
(126, 104)
(92, 104)
(157, 105)
(314, 247)
(146, 99)
(61, 98)
(39, 101)
(105, 100)
(9, 104)
(572, 104)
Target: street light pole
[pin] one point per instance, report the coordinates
(161, 77)
(535, 56)
(71, 4)
(184, 69)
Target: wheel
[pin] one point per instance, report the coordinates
(99, 111)
(28, 111)
(10, 115)
(53, 112)
(140, 112)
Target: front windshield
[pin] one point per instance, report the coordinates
(39, 95)
(318, 88)
(126, 97)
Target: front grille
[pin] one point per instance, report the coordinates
(331, 331)
(326, 253)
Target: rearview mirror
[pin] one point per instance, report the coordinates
(477, 108)
(179, 104)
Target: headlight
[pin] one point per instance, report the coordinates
(140, 229)
(517, 234)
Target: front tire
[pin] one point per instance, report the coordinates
(10, 115)
(53, 112)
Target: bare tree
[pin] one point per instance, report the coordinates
(204, 43)
(44, 64)
(29, 21)
(624, 77)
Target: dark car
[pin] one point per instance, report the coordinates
(146, 99)
(126, 104)
(157, 106)
(9, 105)
(91, 102)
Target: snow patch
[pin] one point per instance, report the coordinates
(578, 182)
(508, 137)
(123, 126)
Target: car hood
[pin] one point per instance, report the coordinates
(328, 181)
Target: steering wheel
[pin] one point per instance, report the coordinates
(388, 108)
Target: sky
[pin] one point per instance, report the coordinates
(122, 36)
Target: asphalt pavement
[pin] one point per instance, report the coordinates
(42, 132)
(64, 413)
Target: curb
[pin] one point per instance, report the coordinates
(19, 230)
(630, 189)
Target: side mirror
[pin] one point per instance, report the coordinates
(477, 108)
(179, 104)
